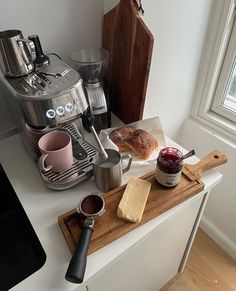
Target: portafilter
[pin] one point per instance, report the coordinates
(91, 207)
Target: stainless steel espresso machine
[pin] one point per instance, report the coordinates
(50, 96)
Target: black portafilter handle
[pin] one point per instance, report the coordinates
(77, 265)
(41, 58)
(88, 119)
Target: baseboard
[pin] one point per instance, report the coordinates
(219, 237)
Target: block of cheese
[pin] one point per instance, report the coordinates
(134, 199)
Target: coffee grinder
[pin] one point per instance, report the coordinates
(92, 64)
(49, 95)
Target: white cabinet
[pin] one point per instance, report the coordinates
(153, 260)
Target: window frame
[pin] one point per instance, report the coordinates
(211, 67)
(228, 67)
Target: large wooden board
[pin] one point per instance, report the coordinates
(130, 44)
(109, 227)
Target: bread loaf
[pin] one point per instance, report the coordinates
(141, 142)
(119, 136)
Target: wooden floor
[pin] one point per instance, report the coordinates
(208, 268)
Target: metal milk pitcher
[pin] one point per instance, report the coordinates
(108, 173)
(16, 54)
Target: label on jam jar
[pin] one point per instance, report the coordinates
(166, 179)
(169, 167)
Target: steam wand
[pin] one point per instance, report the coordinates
(88, 120)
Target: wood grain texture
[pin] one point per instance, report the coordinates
(211, 160)
(109, 227)
(130, 44)
(208, 268)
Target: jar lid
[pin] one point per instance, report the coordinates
(170, 158)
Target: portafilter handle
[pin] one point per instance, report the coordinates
(88, 120)
(77, 265)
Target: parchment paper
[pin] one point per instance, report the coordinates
(139, 166)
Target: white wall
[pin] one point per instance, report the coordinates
(62, 26)
(179, 29)
(220, 214)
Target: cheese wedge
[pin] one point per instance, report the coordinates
(134, 199)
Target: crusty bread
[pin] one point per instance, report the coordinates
(142, 143)
(119, 136)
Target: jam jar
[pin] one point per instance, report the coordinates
(169, 166)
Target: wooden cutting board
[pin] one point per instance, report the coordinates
(130, 44)
(109, 227)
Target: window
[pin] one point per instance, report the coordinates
(216, 88)
(224, 102)
(227, 101)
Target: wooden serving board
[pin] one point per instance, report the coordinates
(130, 44)
(109, 227)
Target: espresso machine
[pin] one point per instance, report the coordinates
(50, 96)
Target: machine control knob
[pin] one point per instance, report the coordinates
(60, 110)
(50, 113)
(69, 107)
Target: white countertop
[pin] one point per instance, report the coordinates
(43, 206)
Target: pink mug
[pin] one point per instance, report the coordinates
(56, 150)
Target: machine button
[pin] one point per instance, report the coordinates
(69, 107)
(60, 110)
(51, 113)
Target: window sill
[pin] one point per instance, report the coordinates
(212, 130)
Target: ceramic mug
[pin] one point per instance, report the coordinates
(108, 173)
(56, 150)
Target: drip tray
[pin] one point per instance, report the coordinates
(82, 168)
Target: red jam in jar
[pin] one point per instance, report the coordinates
(169, 167)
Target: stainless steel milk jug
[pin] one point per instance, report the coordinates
(16, 54)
